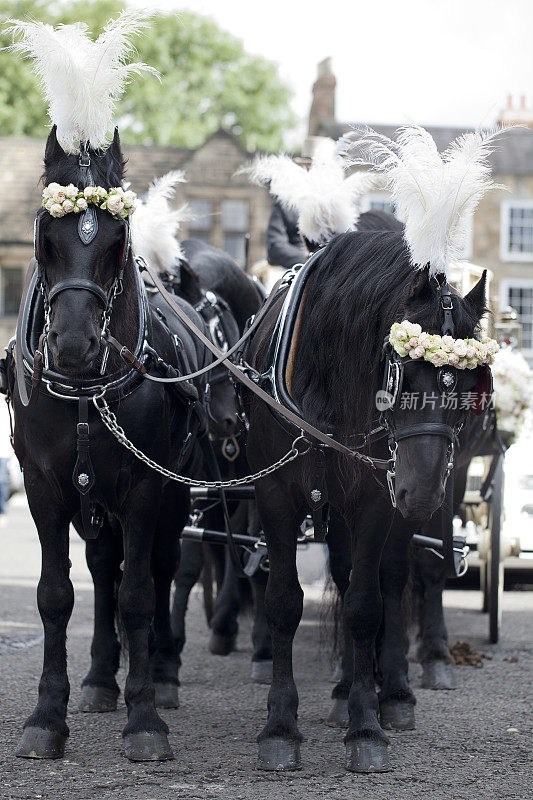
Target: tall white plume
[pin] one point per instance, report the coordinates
(326, 201)
(81, 80)
(155, 225)
(435, 194)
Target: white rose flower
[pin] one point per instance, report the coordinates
(453, 359)
(89, 191)
(46, 193)
(447, 343)
(68, 206)
(115, 204)
(100, 192)
(56, 210)
(417, 352)
(71, 191)
(53, 188)
(59, 196)
(459, 347)
(117, 190)
(470, 352)
(129, 198)
(81, 204)
(424, 340)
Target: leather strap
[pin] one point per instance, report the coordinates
(424, 429)
(25, 398)
(249, 384)
(78, 283)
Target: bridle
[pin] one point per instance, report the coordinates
(87, 230)
(394, 369)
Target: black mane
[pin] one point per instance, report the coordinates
(362, 283)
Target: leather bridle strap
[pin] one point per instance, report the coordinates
(79, 283)
(300, 423)
(425, 429)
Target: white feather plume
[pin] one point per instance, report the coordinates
(81, 80)
(155, 224)
(435, 194)
(326, 201)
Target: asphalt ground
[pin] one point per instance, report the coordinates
(474, 743)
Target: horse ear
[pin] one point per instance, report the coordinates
(114, 148)
(420, 286)
(476, 297)
(53, 150)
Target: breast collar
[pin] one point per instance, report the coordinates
(67, 387)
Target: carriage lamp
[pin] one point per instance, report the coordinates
(508, 328)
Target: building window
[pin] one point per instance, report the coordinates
(519, 295)
(235, 227)
(516, 232)
(201, 224)
(10, 291)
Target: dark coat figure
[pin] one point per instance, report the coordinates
(285, 246)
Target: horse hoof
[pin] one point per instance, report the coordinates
(336, 675)
(397, 716)
(221, 645)
(262, 671)
(367, 755)
(279, 754)
(166, 695)
(338, 716)
(438, 675)
(98, 699)
(40, 743)
(147, 746)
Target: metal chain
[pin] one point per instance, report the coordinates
(110, 421)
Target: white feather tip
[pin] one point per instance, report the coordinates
(435, 194)
(81, 79)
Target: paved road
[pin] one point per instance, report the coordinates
(462, 748)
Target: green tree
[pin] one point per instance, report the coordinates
(208, 81)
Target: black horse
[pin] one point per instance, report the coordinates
(219, 273)
(361, 283)
(105, 553)
(133, 498)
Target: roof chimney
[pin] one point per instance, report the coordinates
(323, 105)
(521, 115)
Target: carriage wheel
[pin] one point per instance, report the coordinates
(495, 568)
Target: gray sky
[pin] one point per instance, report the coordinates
(428, 61)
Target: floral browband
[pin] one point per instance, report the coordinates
(408, 339)
(61, 200)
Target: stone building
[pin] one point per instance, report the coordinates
(226, 206)
(502, 237)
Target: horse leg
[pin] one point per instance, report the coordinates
(188, 572)
(173, 515)
(340, 564)
(145, 734)
(261, 640)
(396, 699)
(224, 623)
(366, 742)
(45, 731)
(99, 690)
(433, 650)
(279, 741)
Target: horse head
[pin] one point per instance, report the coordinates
(80, 270)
